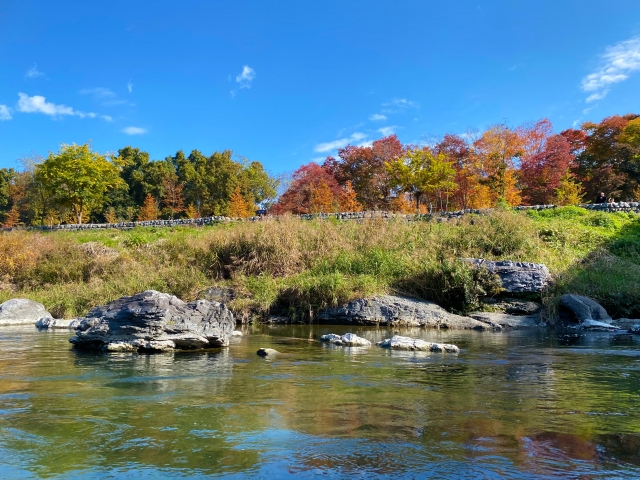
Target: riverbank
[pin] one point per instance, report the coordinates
(296, 268)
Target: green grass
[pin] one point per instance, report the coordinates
(296, 267)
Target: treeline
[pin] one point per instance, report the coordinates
(78, 185)
(528, 164)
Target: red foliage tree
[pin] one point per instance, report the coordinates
(300, 197)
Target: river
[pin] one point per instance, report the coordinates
(519, 404)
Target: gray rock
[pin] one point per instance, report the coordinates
(516, 277)
(398, 342)
(634, 328)
(22, 311)
(584, 308)
(219, 294)
(154, 321)
(598, 326)
(52, 323)
(346, 340)
(237, 333)
(505, 320)
(396, 311)
(264, 352)
(513, 306)
(625, 323)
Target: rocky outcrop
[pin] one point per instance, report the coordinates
(516, 277)
(504, 320)
(154, 321)
(398, 342)
(22, 311)
(390, 310)
(512, 306)
(53, 323)
(346, 340)
(584, 308)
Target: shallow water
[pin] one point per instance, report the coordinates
(516, 404)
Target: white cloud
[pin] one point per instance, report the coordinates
(134, 130)
(33, 72)
(39, 104)
(377, 116)
(388, 130)
(130, 86)
(98, 92)
(343, 142)
(616, 65)
(246, 77)
(399, 105)
(5, 114)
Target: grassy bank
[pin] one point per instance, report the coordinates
(296, 267)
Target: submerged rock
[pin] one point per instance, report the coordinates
(635, 328)
(346, 340)
(396, 311)
(516, 277)
(264, 352)
(584, 308)
(22, 311)
(398, 342)
(237, 333)
(52, 323)
(154, 321)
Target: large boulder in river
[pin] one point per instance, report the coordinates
(516, 277)
(154, 321)
(390, 310)
(584, 308)
(346, 340)
(22, 311)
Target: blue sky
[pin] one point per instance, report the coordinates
(287, 82)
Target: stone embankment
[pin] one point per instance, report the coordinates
(434, 216)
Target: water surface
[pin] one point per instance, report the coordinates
(516, 404)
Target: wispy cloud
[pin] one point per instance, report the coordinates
(388, 130)
(33, 72)
(134, 130)
(39, 104)
(130, 86)
(343, 142)
(616, 65)
(246, 77)
(377, 117)
(5, 114)
(399, 105)
(98, 92)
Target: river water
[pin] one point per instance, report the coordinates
(520, 404)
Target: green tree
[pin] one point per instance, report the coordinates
(420, 172)
(78, 178)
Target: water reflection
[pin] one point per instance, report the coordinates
(519, 404)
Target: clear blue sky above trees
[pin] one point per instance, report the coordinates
(285, 82)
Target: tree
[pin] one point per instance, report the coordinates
(297, 198)
(420, 172)
(238, 206)
(347, 199)
(321, 198)
(191, 211)
(149, 210)
(568, 192)
(78, 178)
(172, 198)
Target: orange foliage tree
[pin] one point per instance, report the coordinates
(149, 210)
(238, 206)
(347, 199)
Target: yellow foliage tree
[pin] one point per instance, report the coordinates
(402, 204)
(347, 199)
(569, 192)
(239, 207)
(511, 190)
(110, 215)
(149, 210)
(192, 211)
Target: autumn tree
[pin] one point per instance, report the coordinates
(149, 210)
(321, 198)
(239, 207)
(172, 199)
(78, 178)
(348, 199)
(297, 198)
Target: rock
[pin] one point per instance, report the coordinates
(219, 294)
(264, 352)
(236, 333)
(513, 306)
(597, 326)
(516, 277)
(407, 343)
(635, 328)
(51, 323)
(396, 311)
(22, 311)
(584, 308)
(346, 340)
(154, 321)
(505, 320)
(625, 323)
